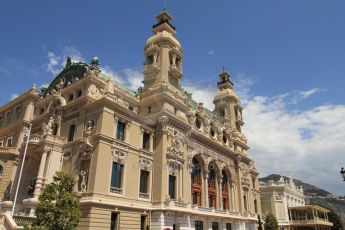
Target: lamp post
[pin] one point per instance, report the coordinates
(342, 173)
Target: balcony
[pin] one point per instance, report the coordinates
(175, 71)
(8, 150)
(34, 139)
(310, 222)
(151, 69)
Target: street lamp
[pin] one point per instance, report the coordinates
(342, 172)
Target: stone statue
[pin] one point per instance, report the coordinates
(83, 183)
(48, 128)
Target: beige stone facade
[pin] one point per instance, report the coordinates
(286, 201)
(151, 159)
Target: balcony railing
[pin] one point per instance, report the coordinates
(144, 195)
(116, 190)
(11, 150)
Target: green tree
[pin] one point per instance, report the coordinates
(271, 222)
(58, 207)
(335, 219)
(260, 224)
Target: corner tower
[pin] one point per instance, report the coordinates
(163, 55)
(228, 108)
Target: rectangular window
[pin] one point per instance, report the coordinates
(79, 93)
(114, 221)
(9, 142)
(245, 202)
(195, 198)
(172, 186)
(143, 222)
(149, 109)
(199, 225)
(71, 133)
(1, 120)
(116, 176)
(70, 97)
(146, 141)
(1, 143)
(120, 131)
(215, 226)
(55, 129)
(144, 181)
(228, 226)
(222, 112)
(9, 115)
(18, 111)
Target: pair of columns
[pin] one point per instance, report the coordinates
(219, 191)
(40, 176)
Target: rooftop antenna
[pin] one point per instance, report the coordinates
(223, 69)
(165, 2)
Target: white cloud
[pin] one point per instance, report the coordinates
(58, 61)
(202, 92)
(210, 52)
(53, 62)
(73, 53)
(307, 143)
(302, 95)
(134, 78)
(14, 96)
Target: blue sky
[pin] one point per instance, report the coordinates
(287, 59)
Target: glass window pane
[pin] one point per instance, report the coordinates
(116, 175)
(172, 184)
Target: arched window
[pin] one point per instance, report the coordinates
(225, 138)
(196, 182)
(198, 122)
(225, 191)
(212, 131)
(212, 193)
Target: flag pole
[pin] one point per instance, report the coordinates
(21, 170)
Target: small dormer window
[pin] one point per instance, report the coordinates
(18, 112)
(212, 131)
(149, 59)
(225, 139)
(70, 97)
(79, 93)
(198, 122)
(41, 111)
(222, 112)
(9, 142)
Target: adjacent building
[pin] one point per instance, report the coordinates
(146, 159)
(286, 201)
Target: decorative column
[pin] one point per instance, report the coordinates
(40, 175)
(128, 125)
(151, 141)
(115, 123)
(220, 186)
(233, 205)
(206, 187)
(141, 137)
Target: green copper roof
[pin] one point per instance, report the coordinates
(69, 74)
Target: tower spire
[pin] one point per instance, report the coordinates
(164, 23)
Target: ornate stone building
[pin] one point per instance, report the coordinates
(286, 201)
(148, 158)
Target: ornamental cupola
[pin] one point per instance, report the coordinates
(163, 55)
(228, 108)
